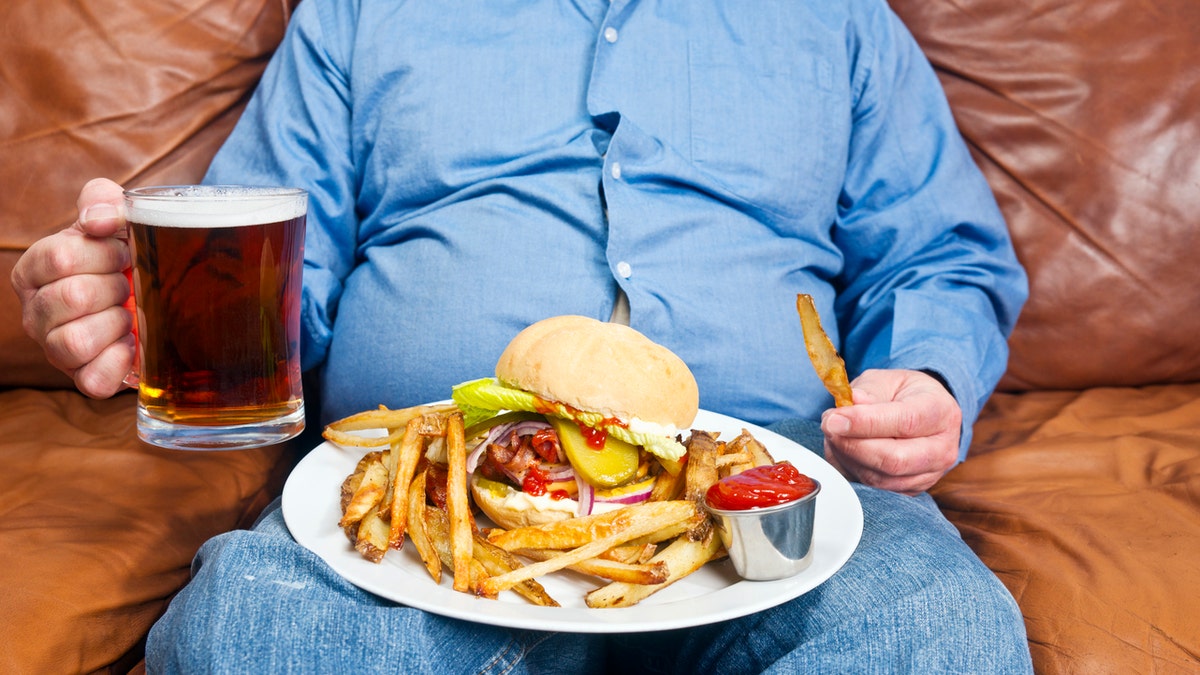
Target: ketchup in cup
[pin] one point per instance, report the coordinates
(765, 518)
(761, 486)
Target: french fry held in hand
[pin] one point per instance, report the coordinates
(824, 356)
(416, 488)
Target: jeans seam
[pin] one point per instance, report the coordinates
(509, 664)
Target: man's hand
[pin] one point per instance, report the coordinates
(901, 434)
(73, 289)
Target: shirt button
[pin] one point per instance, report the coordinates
(624, 270)
(616, 170)
(610, 34)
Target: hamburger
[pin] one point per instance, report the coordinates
(581, 417)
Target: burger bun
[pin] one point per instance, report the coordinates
(514, 509)
(602, 367)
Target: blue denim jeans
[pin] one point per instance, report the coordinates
(912, 598)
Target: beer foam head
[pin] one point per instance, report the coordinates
(213, 205)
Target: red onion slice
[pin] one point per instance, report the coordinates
(556, 472)
(586, 497)
(637, 497)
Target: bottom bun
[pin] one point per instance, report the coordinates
(515, 509)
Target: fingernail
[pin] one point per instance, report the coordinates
(98, 212)
(837, 424)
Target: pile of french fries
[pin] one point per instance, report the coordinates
(411, 483)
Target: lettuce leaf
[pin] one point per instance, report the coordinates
(483, 398)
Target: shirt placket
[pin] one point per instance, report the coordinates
(601, 104)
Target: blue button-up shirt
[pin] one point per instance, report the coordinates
(476, 166)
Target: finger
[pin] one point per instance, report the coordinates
(105, 375)
(66, 254)
(73, 345)
(885, 420)
(101, 206)
(896, 457)
(889, 465)
(905, 485)
(71, 298)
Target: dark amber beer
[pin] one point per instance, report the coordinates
(217, 284)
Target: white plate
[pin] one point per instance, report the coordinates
(714, 593)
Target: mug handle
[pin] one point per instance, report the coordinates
(133, 379)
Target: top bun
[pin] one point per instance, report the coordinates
(601, 367)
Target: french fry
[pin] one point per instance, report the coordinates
(485, 561)
(406, 453)
(728, 459)
(350, 439)
(651, 516)
(671, 531)
(417, 530)
(437, 530)
(457, 506)
(702, 472)
(372, 536)
(349, 487)
(824, 356)
(496, 560)
(384, 418)
(760, 456)
(742, 453)
(369, 493)
(682, 557)
(342, 431)
(575, 532)
(429, 425)
(437, 525)
(668, 485)
(633, 573)
(629, 553)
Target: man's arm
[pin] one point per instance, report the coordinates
(930, 280)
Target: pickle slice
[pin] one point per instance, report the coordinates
(605, 467)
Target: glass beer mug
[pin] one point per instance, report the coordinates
(217, 284)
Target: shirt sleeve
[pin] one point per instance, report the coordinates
(296, 132)
(930, 280)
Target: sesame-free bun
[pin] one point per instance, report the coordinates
(509, 511)
(601, 367)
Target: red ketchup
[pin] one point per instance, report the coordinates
(761, 486)
(596, 438)
(537, 483)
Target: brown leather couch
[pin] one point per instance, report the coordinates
(1082, 491)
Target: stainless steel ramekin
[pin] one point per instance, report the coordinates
(771, 542)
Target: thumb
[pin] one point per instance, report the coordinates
(101, 206)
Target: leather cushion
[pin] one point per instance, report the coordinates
(141, 93)
(98, 530)
(1087, 506)
(1083, 118)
